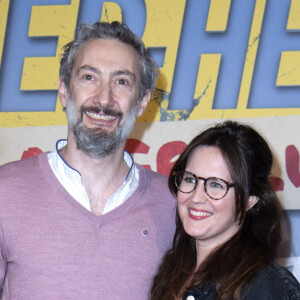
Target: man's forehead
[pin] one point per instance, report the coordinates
(108, 52)
(109, 48)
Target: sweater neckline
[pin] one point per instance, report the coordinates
(102, 219)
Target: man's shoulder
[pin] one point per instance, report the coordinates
(153, 178)
(152, 174)
(155, 185)
(20, 167)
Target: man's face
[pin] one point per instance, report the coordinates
(102, 101)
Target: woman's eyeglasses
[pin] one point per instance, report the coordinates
(215, 188)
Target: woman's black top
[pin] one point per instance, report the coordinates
(273, 282)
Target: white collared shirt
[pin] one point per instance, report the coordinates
(71, 180)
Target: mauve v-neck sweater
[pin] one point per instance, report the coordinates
(53, 248)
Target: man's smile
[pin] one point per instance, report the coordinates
(97, 116)
(101, 114)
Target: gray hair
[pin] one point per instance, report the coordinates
(149, 70)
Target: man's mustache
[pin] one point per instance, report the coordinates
(99, 109)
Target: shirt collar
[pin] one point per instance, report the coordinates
(63, 142)
(70, 178)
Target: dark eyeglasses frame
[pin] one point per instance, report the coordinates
(228, 184)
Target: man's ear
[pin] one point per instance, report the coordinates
(62, 92)
(144, 102)
(251, 202)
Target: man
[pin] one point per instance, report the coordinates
(86, 222)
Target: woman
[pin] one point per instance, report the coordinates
(228, 222)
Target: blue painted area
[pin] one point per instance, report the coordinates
(294, 219)
(194, 41)
(232, 45)
(17, 46)
(133, 13)
(274, 40)
(158, 54)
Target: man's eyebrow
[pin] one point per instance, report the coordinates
(127, 73)
(116, 73)
(88, 68)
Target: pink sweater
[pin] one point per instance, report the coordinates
(53, 248)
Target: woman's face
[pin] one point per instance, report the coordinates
(210, 222)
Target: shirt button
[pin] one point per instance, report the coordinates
(190, 298)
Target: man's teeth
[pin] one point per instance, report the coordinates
(100, 117)
(199, 213)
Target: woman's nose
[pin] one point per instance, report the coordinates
(199, 194)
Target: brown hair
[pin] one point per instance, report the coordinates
(239, 259)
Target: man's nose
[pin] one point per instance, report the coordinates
(104, 95)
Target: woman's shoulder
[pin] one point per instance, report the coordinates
(274, 282)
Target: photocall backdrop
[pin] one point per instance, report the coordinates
(219, 60)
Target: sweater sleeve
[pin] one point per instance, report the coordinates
(3, 262)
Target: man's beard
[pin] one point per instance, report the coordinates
(95, 142)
